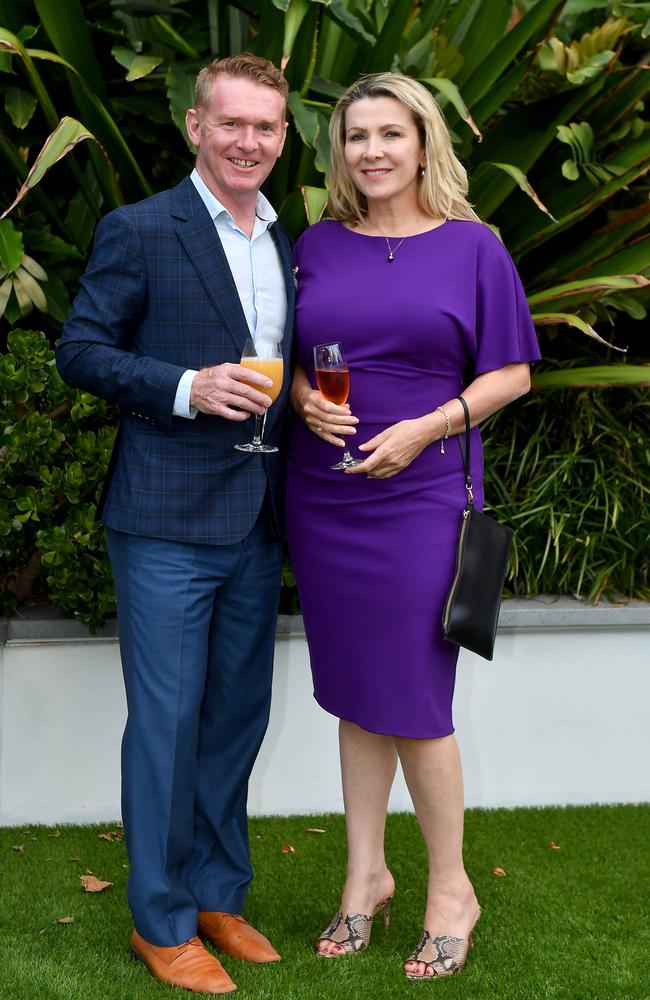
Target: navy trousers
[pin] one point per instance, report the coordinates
(197, 628)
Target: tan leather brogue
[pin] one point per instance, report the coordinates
(189, 965)
(231, 934)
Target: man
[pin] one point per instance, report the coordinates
(174, 287)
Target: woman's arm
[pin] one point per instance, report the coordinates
(397, 446)
(325, 419)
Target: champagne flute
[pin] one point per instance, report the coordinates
(265, 356)
(333, 380)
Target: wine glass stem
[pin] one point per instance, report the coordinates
(260, 420)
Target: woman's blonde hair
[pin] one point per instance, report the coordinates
(442, 187)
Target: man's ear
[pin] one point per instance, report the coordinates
(193, 125)
(285, 126)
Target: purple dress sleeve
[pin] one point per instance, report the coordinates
(504, 328)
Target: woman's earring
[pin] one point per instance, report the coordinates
(422, 169)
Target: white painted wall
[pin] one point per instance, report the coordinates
(560, 716)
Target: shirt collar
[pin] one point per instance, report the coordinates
(264, 211)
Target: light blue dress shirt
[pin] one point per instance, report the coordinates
(256, 269)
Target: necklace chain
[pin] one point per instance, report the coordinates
(393, 250)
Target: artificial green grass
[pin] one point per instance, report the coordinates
(567, 924)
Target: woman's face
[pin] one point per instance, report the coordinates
(383, 150)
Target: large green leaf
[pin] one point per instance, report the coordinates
(17, 165)
(295, 16)
(601, 245)
(57, 145)
(451, 92)
(67, 28)
(20, 105)
(497, 95)
(511, 45)
(569, 319)
(315, 200)
(305, 120)
(180, 93)
(137, 65)
(573, 293)
(11, 43)
(600, 377)
(522, 182)
(382, 55)
(633, 259)
(486, 26)
(11, 247)
(163, 32)
(351, 24)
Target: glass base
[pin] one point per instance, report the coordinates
(347, 462)
(257, 448)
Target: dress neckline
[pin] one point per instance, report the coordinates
(412, 236)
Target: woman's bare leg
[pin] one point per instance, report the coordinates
(434, 777)
(368, 763)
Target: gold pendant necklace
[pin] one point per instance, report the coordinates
(392, 251)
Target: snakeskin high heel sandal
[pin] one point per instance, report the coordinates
(450, 955)
(359, 926)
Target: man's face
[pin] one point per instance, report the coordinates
(239, 136)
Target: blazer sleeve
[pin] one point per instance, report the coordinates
(95, 352)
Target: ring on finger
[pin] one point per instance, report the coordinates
(319, 427)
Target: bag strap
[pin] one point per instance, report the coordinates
(465, 453)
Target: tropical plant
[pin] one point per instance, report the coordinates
(545, 100)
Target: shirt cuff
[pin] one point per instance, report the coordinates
(182, 406)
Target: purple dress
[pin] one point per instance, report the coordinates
(374, 558)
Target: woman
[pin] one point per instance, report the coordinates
(426, 303)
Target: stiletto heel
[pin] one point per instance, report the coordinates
(450, 954)
(359, 926)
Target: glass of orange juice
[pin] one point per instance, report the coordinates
(265, 356)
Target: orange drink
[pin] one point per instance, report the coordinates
(273, 368)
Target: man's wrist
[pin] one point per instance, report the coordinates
(183, 400)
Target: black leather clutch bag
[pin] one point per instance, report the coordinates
(472, 607)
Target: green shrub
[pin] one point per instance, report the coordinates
(570, 472)
(55, 443)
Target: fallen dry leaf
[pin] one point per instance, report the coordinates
(553, 845)
(65, 920)
(75, 859)
(92, 884)
(314, 829)
(288, 849)
(499, 872)
(55, 833)
(112, 836)
(18, 848)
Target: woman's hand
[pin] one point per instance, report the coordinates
(393, 449)
(325, 419)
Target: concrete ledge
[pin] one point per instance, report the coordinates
(46, 624)
(559, 716)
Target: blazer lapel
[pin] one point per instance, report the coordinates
(198, 235)
(284, 249)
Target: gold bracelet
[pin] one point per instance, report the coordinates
(441, 409)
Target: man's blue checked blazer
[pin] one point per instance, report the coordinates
(157, 298)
